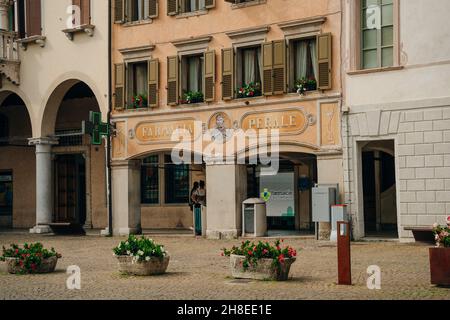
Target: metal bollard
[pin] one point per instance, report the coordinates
(343, 253)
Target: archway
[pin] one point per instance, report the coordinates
(17, 163)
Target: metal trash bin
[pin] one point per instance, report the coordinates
(338, 213)
(254, 218)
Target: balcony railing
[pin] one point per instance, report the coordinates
(8, 46)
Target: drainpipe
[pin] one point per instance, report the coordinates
(108, 146)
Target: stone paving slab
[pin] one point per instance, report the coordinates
(197, 271)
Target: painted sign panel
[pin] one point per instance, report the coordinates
(162, 131)
(281, 187)
(293, 121)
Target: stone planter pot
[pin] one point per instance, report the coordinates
(47, 265)
(144, 268)
(263, 270)
(440, 266)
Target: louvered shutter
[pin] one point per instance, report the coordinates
(119, 11)
(85, 7)
(209, 75)
(172, 80)
(227, 74)
(153, 9)
(279, 67)
(267, 63)
(210, 4)
(119, 86)
(172, 7)
(153, 83)
(324, 61)
(33, 12)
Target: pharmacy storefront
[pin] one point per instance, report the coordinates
(241, 151)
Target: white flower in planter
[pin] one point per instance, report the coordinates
(140, 252)
(129, 252)
(147, 258)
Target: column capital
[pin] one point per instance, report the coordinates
(43, 140)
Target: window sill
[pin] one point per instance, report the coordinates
(85, 28)
(197, 104)
(247, 4)
(24, 42)
(374, 70)
(137, 23)
(186, 15)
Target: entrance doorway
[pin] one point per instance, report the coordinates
(6, 199)
(70, 189)
(379, 189)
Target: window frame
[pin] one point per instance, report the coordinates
(129, 12)
(128, 67)
(189, 178)
(181, 56)
(158, 170)
(238, 74)
(290, 74)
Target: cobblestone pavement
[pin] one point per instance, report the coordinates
(197, 271)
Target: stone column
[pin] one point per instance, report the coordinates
(226, 189)
(329, 171)
(4, 14)
(44, 183)
(126, 197)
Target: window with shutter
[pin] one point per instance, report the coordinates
(119, 86)
(209, 75)
(227, 74)
(153, 83)
(119, 11)
(267, 82)
(85, 10)
(172, 80)
(303, 71)
(153, 9)
(137, 84)
(279, 67)
(172, 7)
(324, 61)
(33, 18)
(249, 71)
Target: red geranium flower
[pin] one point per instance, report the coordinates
(281, 258)
(250, 252)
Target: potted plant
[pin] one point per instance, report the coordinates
(32, 258)
(440, 255)
(139, 101)
(192, 97)
(261, 261)
(141, 257)
(302, 85)
(250, 90)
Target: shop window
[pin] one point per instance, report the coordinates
(192, 78)
(377, 33)
(150, 180)
(176, 182)
(304, 69)
(137, 85)
(249, 72)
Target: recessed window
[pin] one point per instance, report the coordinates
(249, 72)
(176, 182)
(377, 33)
(150, 180)
(137, 85)
(303, 63)
(137, 9)
(192, 78)
(193, 5)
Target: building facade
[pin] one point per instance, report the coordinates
(54, 71)
(396, 122)
(215, 69)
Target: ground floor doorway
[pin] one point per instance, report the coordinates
(6, 199)
(70, 189)
(379, 189)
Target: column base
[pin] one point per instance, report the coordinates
(40, 229)
(105, 232)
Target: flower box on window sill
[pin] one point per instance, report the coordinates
(192, 97)
(250, 90)
(304, 85)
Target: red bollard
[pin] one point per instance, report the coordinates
(344, 259)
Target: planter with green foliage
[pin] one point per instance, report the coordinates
(192, 97)
(32, 258)
(440, 255)
(139, 101)
(303, 85)
(141, 257)
(261, 261)
(250, 90)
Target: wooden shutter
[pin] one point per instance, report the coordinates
(172, 80)
(227, 74)
(324, 61)
(119, 86)
(210, 4)
(172, 7)
(153, 9)
(267, 63)
(85, 11)
(33, 18)
(279, 67)
(209, 75)
(153, 83)
(119, 11)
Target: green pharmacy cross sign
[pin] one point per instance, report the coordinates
(96, 128)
